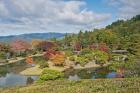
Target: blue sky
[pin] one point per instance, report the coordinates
(39, 16)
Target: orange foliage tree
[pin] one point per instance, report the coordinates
(57, 57)
(29, 60)
(47, 45)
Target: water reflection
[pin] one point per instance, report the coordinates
(29, 81)
(75, 77)
(3, 71)
(13, 79)
(112, 75)
(9, 75)
(90, 74)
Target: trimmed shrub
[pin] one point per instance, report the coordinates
(101, 57)
(72, 58)
(81, 60)
(49, 74)
(86, 51)
(43, 64)
(2, 55)
(68, 53)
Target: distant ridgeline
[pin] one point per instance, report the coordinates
(29, 37)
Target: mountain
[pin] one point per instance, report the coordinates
(29, 37)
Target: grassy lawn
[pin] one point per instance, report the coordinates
(131, 85)
(32, 71)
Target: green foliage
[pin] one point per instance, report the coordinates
(119, 35)
(81, 60)
(68, 53)
(131, 66)
(90, 56)
(2, 55)
(86, 51)
(3, 71)
(116, 65)
(101, 57)
(43, 64)
(72, 58)
(49, 74)
(41, 61)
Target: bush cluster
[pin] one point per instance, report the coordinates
(49, 74)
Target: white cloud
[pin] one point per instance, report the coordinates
(49, 15)
(126, 8)
(3, 10)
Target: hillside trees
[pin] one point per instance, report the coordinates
(46, 45)
(35, 43)
(20, 47)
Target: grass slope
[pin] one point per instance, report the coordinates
(131, 85)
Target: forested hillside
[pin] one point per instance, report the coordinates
(119, 35)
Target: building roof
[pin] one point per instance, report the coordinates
(119, 51)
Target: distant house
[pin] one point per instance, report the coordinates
(120, 55)
(77, 52)
(120, 51)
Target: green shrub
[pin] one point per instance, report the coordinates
(116, 65)
(41, 61)
(72, 58)
(86, 51)
(68, 53)
(43, 64)
(89, 56)
(49, 74)
(101, 57)
(3, 71)
(81, 60)
(2, 55)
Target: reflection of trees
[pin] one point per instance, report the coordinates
(85, 74)
(70, 72)
(17, 67)
(3, 71)
(29, 81)
(101, 73)
(88, 73)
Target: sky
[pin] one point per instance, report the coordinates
(63, 16)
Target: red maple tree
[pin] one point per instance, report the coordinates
(20, 45)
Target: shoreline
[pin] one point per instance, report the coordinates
(36, 71)
(18, 59)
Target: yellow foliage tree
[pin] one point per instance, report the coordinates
(35, 43)
(58, 59)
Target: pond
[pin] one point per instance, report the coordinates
(10, 77)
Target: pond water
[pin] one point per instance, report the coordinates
(10, 77)
(90, 73)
